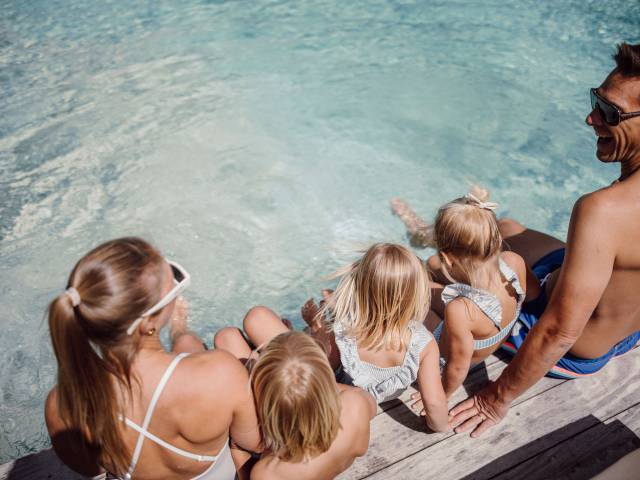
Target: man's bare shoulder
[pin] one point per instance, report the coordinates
(612, 199)
(600, 207)
(598, 199)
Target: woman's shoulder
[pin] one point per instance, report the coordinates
(51, 416)
(213, 371)
(218, 360)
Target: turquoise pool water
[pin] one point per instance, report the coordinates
(258, 142)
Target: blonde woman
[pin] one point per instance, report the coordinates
(378, 341)
(122, 403)
(311, 426)
(481, 302)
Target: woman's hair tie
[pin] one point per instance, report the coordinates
(73, 294)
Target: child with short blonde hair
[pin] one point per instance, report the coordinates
(311, 426)
(483, 295)
(377, 312)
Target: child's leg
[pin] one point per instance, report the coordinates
(231, 340)
(420, 232)
(182, 339)
(529, 244)
(319, 330)
(262, 324)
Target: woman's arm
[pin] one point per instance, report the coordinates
(433, 397)
(457, 340)
(244, 425)
(70, 445)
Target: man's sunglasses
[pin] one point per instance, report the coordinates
(610, 113)
(181, 280)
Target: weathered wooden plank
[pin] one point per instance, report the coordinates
(583, 455)
(43, 465)
(400, 433)
(612, 391)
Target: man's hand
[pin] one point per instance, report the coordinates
(479, 413)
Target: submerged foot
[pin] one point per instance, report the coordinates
(309, 312)
(179, 324)
(420, 232)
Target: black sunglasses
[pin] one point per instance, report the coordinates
(610, 113)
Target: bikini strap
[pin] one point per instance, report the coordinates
(512, 277)
(487, 302)
(168, 446)
(147, 418)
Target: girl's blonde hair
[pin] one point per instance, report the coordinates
(468, 229)
(296, 397)
(380, 294)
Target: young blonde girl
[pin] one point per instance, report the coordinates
(377, 338)
(311, 426)
(481, 301)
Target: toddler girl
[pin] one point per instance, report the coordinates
(311, 426)
(378, 338)
(481, 301)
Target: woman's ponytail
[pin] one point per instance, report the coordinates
(86, 394)
(109, 287)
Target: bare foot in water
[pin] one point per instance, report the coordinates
(310, 310)
(182, 339)
(420, 232)
(180, 319)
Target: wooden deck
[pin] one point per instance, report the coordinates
(557, 430)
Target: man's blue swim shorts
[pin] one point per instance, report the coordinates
(569, 366)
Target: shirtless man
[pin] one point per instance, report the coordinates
(593, 311)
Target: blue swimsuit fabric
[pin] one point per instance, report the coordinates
(569, 366)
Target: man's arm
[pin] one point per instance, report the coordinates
(585, 273)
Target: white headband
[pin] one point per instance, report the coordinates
(73, 294)
(479, 203)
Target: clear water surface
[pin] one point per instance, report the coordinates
(259, 142)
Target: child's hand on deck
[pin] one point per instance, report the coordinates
(417, 406)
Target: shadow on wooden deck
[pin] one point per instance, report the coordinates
(576, 451)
